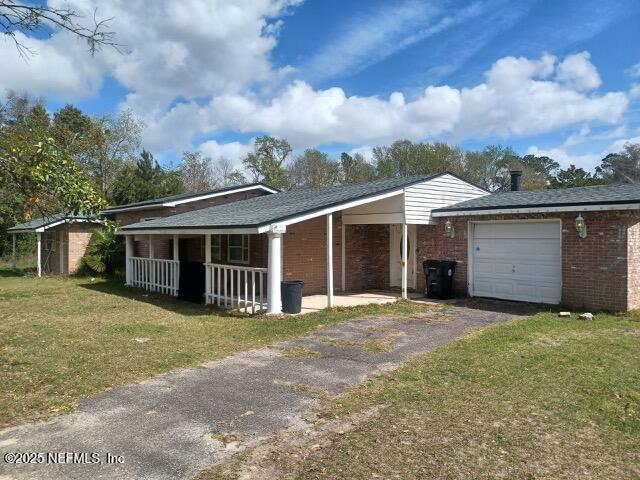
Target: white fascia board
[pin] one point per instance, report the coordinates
(336, 208)
(217, 194)
(569, 208)
(60, 222)
(187, 200)
(189, 231)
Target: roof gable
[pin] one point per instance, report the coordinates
(174, 200)
(280, 207)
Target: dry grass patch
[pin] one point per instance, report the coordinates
(65, 338)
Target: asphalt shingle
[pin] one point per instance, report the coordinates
(36, 223)
(268, 209)
(184, 196)
(595, 195)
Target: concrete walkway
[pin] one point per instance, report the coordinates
(170, 426)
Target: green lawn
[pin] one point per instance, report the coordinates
(62, 338)
(537, 398)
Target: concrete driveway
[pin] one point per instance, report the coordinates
(171, 426)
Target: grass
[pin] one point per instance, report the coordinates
(65, 338)
(537, 398)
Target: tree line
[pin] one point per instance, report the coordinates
(73, 162)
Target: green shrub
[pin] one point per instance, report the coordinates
(105, 252)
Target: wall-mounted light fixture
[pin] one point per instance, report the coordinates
(581, 226)
(448, 229)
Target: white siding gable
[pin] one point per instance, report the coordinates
(438, 192)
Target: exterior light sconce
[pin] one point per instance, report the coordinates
(448, 229)
(581, 226)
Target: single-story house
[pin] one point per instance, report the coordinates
(236, 254)
(575, 246)
(176, 204)
(62, 241)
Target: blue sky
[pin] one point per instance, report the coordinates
(546, 77)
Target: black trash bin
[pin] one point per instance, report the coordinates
(291, 291)
(439, 274)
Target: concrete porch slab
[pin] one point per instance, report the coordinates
(313, 303)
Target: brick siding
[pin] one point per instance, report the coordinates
(366, 255)
(599, 272)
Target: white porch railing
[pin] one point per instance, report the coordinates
(230, 286)
(155, 274)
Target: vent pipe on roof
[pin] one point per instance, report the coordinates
(516, 178)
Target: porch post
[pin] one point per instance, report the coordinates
(176, 247)
(404, 260)
(207, 260)
(13, 254)
(329, 260)
(176, 267)
(39, 254)
(343, 261)
(61, 249)
(128, 253)
(274, 274)
(152, 267)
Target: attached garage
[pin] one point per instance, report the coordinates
(579, 247)
(516, 260)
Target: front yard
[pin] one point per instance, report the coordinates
(62, 339)
(537, 398)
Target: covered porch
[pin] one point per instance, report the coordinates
(348, 238)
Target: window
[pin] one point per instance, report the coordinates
(49, 242)
(238, 248)
(216, 247)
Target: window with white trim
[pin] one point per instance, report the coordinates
(238, 248)
(216, 247)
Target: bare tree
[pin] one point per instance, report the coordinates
(196, 172)
(226, 175)
(16, 17)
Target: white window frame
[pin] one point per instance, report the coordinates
(216, 245)
(50, 242)
(244, 248)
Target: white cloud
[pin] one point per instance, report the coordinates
(634, 70)
(519, 97)
(234, 151)
(188, 49)
(578, 72)
(59, 66)
(587, 161)
(618, 145)
(634, 92)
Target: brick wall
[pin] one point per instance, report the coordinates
(633, 265)
(598, 273)
(366, 254)
(77, 241)
(134, 216)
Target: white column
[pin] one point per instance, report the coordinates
(13, 254)
(274, 274)
(61, 250)
(176, 247)
(329, 260)
(128, 254)
(39, 254)
(207, 260)
(152, 267)
(404, 260)
(343, 261)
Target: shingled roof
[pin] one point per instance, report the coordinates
(168, 201)
(268, 209)
(615, 194)
(49, 221)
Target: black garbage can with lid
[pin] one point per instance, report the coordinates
(291, 291)
(439, 274)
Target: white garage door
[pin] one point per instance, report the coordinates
(517, 261)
